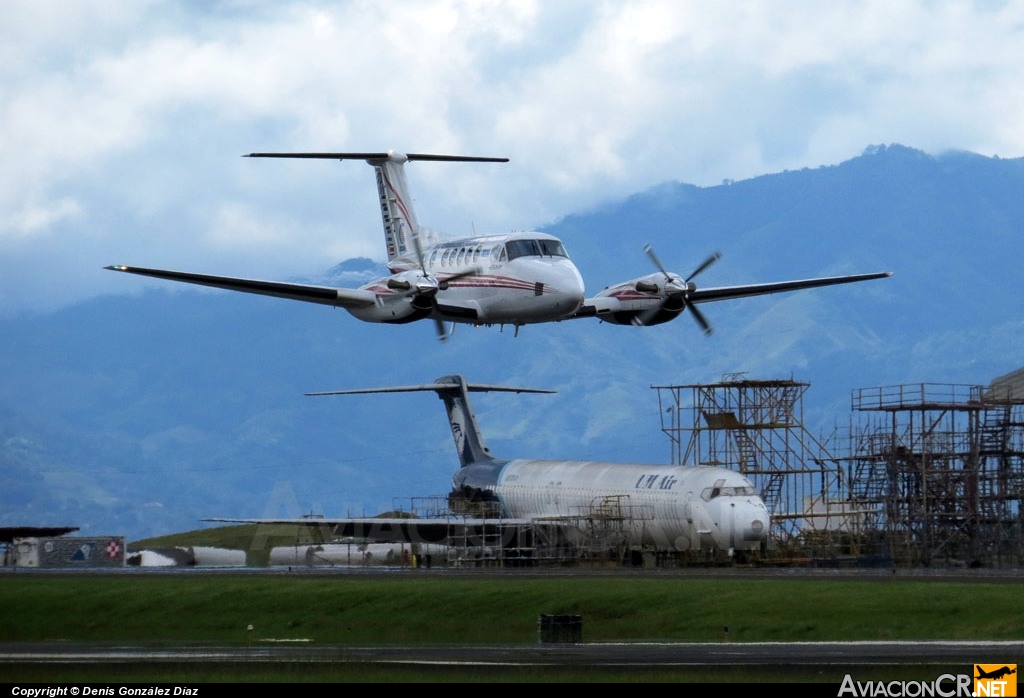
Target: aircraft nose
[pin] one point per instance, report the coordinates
(575, 289)
(755, 522)
(564, 281)
(756, 530)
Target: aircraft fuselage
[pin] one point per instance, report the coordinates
(681, 508)
(516, 278)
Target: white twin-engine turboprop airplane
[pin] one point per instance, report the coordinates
(516, 279)
(670, 508)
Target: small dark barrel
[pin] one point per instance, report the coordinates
(560, 628)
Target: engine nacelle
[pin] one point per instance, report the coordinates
(639, 301)
(397, 300)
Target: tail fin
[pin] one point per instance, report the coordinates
(454, 391)
(396, 209)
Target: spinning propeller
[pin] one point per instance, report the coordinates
(676, 291)
(425, 286)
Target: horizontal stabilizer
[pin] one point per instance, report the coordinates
(434, 387)
(370, 157)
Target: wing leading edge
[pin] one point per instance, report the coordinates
(705, 295)
(325, 295)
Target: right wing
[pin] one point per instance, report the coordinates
(325, 295)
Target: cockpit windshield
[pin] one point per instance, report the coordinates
(534, 248)
(720, 489)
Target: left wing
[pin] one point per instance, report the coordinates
(658, 298)
(326, 295)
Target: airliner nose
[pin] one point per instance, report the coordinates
(756, 530)
(754, 522)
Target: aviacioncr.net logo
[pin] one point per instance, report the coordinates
(995, 680)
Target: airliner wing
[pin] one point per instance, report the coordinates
(443, 530)
(704, 295)
(326, 295)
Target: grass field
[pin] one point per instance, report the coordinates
(420, 608)
(453, 607)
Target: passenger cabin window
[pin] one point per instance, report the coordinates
(534, 248)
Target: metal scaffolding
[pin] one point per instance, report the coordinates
(942, 468)
(756, 427)
(927, 473)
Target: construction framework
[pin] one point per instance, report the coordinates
(756, 427)
(941, 469)
(927, 474)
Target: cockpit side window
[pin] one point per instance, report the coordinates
(712, 492)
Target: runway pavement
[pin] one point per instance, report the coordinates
(581, 654)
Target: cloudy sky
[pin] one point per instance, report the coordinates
(122, 121)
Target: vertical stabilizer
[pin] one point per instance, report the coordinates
(469, 442)
(397, 214)
(396, 210)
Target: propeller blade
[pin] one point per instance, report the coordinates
(654, 258)
(419, 250)
(673, 282)
(472, 271)
(442, 331)
(705, 264)
(701, 320)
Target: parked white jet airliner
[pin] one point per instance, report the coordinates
(512, 279)
(664, 507)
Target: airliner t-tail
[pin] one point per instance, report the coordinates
(514, 279)
(669, 508)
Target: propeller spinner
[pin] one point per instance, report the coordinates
(426, 286)
(676, 291)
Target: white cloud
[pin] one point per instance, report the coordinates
(122, 123)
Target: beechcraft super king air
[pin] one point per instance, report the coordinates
(670, 508)
(514, 279)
